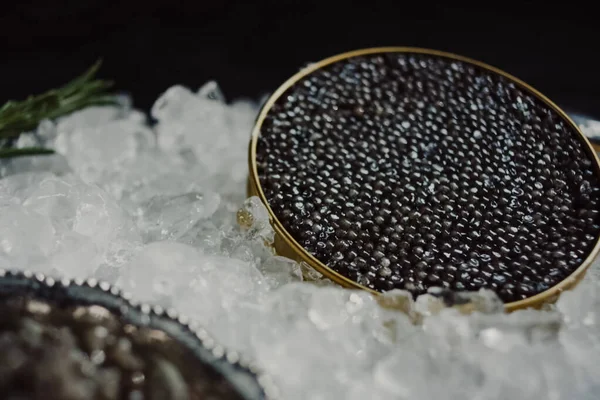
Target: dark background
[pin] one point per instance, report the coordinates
(252, 47)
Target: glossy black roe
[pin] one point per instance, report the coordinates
(83, 341)
(403, 170)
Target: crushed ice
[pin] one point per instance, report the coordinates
(155, 208)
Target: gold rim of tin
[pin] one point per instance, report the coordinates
(286, 245)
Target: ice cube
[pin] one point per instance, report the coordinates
(26, 237)
(88, 117)
(91, 151)
(46, 131)
(151, 173)
(159, 270)
(172, 104)
(75, 256)
(400, 300)
(279, 271)
(254, 217)
(16, 188)
(54, 163)
(593, 273)
(579, 306)
(437, 299)
(170, 217)
(27, 139)
(224, 296)
(405, 375)
(206, 236)
(86, 210)
(214, 133)
(212, 91)
(341, 330)
(56, 198)
(201, 285)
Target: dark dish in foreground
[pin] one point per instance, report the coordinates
(79, 342)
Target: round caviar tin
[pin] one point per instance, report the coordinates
(408, 168)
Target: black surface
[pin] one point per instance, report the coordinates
(251, 47)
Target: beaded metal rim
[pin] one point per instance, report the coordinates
(286, 245)
(40, 284)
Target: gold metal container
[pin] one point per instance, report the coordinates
(286, 245)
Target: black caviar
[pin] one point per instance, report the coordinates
(53, 352)
(410, 171)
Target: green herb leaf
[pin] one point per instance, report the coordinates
(23, 116)
(25, 151)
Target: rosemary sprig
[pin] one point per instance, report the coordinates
(25, 151)
(23, 116)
